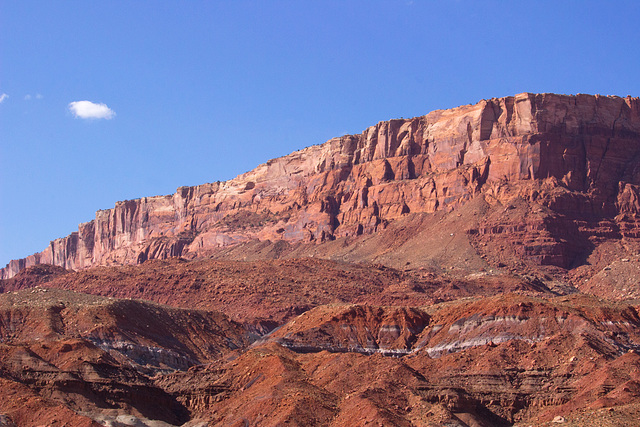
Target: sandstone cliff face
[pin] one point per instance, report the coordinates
(576, 155)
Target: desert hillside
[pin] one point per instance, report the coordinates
(471, 267)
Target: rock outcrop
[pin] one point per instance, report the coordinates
(575, 155)
(484, 362)
(67, 358)
(521, 357)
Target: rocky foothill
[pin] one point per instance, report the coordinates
(471, 267)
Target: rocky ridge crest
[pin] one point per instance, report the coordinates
(576, 155)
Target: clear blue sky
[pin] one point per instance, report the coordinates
(200, 91)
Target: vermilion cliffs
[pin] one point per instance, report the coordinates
(573, 156)
(475, 266)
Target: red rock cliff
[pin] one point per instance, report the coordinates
(355, 184)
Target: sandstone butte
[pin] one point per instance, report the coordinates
(575, 154)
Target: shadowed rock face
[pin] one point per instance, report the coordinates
(576, 155)
(81, 356)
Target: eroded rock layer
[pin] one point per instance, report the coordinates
(575, 156)
(524, 358)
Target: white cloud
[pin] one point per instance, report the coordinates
(29, 97)
(91, 110)
(3, 97)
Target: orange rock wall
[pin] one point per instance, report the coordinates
(357, 184)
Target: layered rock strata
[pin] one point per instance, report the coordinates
(577, 155)
(488, 361)
(68, 358)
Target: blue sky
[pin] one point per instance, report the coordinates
(200, 91)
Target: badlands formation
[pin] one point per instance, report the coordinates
(471, 267)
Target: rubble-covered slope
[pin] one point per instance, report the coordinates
(525, 357)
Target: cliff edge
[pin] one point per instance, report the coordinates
(575, 156)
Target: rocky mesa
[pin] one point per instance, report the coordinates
(574, 157)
